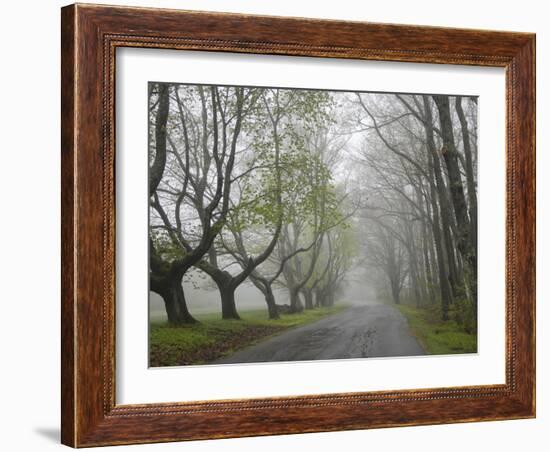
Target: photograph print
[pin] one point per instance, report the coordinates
(297, 224)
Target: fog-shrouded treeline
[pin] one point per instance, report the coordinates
(420, 179)
(288, 190)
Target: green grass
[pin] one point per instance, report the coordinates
(438, 337)
(213, 338)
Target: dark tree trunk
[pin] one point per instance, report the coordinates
(295, 302)
(435, 194)
(451, 255)
(264, 286)
(425, 266)
(166, 283)
(229, 309)
(271, 304)
(417, 294)
(464, 236)
(227, 294)
(432, 253)
(183, 313)
(395, 290)
(445, 206)
(445, 217)
(413, 264)
(157, 169)
(320, 297)
(174, 302)
(331, 297)
(450, 156)
(308, 297)
(227, 285)
(444, 285)
(428, 262)
(469, 168)
(171, 307)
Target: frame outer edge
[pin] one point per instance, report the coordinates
(534, 226)
(526, 218)
(68, 242)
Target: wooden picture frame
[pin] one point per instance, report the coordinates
(90, 36)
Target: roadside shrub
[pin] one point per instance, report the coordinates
(463, 313)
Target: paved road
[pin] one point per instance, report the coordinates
(370, 330)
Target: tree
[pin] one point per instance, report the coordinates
(323, 212)
(274, 188)
(202, 131)
(465, 236)
(416, 197)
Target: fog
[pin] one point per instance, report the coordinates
(202, 298)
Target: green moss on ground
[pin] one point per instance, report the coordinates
(213, 338)
(436, 336)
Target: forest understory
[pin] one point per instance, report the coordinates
(438, 337)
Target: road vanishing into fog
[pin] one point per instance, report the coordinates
(361, 331)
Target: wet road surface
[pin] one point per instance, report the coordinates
(364, 331)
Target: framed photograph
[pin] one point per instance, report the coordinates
(281, 225)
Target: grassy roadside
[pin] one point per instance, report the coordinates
(214, 338)
(437, 337)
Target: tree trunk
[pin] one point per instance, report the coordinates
(184, 315)
(264, 286)
(319, 297)
(435, 194)
(295, 302)
(308, 297)
(444, 285)
(451, 162)
(226, 286)
(171, 307)
(229, 309)
(469, 168)
(271, 304)
(451, 255)
(332, 297)
(413, 265)
(427, 263)
(157, 169)
(395, 290)
(173, 297)
(464, 236)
